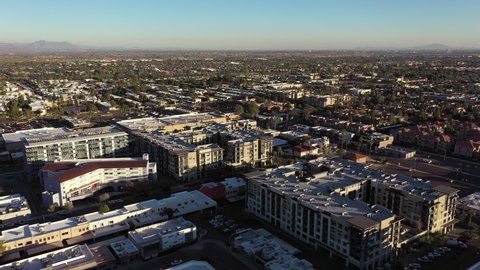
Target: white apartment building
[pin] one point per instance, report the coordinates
(158, 238)
(56, 144)
(13, 208)
(73, 180)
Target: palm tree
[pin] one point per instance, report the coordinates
(470, 213)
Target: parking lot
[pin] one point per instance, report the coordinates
(444, 257)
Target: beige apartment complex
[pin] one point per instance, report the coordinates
(358, 214)
(189, 154)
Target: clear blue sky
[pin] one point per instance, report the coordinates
(243, 24)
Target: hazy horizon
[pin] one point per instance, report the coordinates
(243, 25)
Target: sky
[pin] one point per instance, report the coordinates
(243, 24)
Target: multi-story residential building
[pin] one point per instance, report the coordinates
(248, 150)
(375, 140)
(160, 237)
(328, 100)
(468, 148)
(73, 180)
(177, 158)
(189, 154)
(311, 211)
(423, 207)
(348, 209)
(97, 224)
(56, 144)
(13, 208)
(175, 123)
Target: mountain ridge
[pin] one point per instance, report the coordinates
(43, 46)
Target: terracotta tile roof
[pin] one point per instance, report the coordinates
(304, 148)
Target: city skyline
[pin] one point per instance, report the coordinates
(246, 25)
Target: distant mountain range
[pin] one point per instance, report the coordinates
(42, 46)
(429, 47)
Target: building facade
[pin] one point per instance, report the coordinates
(97, 224)
(158, 238)
(78, 179)
(357, 214)
(56, 144)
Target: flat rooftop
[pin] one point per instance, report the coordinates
(158, 230)
(34, 136)
(12, 203)
(151, 123)
(60, 259)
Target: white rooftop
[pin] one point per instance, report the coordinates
(66, 258)
(159, 230)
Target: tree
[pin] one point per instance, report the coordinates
(104, 197)
(470, 214)
(13, 109)
(307, 111)
(239, 109)
(104, 208)
(2, 248)
(91, 107)
(51, 208)
(68, 205)
(253, 109)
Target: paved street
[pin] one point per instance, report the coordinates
(463, 175)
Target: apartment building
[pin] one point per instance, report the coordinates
(190, 153)
(253, 151)
(375, 140)
(246, 148)
(13, 208)
(160, 237)
(328, 100)
(73, 180)
(56, 144)
(423, 207)
(177, 158)
(364, 236)
(97, 224)
(175, 123)
(360, 215)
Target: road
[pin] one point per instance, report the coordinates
(463, 175)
